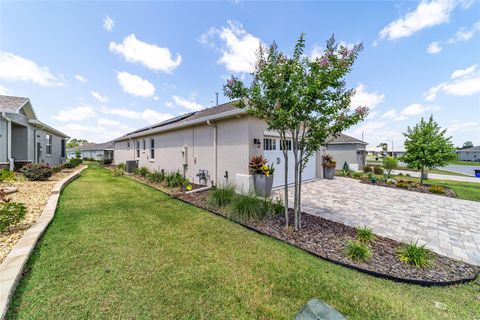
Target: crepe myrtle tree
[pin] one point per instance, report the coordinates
(301, 98)
(426, 146)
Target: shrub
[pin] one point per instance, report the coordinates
(118, 171)
(437, 189)
(75, 161)
(377, 170)
(389, 163)
(36, 172)
(248, 206)
(373, 179)
(174, 179)
(156, 176)
(69, 165)
(222, 195)
(6, 175)
(357, 175)
(357, 251)
(365, 234)
(403, 184)
(142, 171)
(122, 165)
(11, 213)
(328, 161)
(415, 255)
(367, 169)
(57, 169)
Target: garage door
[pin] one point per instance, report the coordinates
(274, 154)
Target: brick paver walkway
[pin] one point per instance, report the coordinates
(447, 226)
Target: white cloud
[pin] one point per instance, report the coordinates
(149, 55)
(135, 85)
(5, 91)
(464, 34)
(463, 72)
(409, 111)
(108, 23)
(92, 132)
(107, 122)
(317, 52)
(468, 126)
(99, 97)
(434, 47)
(16, 68)
(426, 15)
(364, 98)
(187, 103)
(148, 115)
(80, 78)
(375, 132)
(238, 46)
(75, 114)
(169, 104)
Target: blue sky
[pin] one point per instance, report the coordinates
(97, 70)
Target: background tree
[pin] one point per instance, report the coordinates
(303, 99)
(467, 144)
(389, 163)
(74, 142)
(426, 146)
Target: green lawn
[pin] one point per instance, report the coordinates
(120, 249)
(466, 163)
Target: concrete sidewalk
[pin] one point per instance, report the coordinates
(439, 176)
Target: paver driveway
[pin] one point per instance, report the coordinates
(445, 225)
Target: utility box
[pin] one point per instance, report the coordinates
(131, 165)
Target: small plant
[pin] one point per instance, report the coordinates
(118, 171)
(248, 206)
(69, 165)
(389, 163)
(122, 165)
(256, 164)
(142, 172)
(174, 179)
(7, 175)
(373, 179)
(156, 176)
(37, 172)
(415, 255)
(437, 189)
(76, 161)
(390, 181)
(357, 175)
(377, 170)
(367, 169)
(222, 195)
(403, 184)
(357, 251)
(400, 174)
(328, 161)
(11, 213)
(365, 234)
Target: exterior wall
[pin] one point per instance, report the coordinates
(233, 149)
(55, 158)
(20, 143)
(469, 155)
(3, 141)
(345, 152)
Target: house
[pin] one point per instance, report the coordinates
(212, 146)
(469, 154)
(348, 149)
(24, 138)
(95, 151)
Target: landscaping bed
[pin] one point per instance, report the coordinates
(411, 186)
(327, 239)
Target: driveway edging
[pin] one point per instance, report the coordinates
(12, 266)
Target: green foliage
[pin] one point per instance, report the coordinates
(7, 175)
(390, 163)
(69, 165)
(357, 251)
(467, 144)
(345, 170)
(365, 234)
(426, 146)
(377, 170)
(76, 161)
(156, 176)
(328, 161)
(373, 179)
(384, 147)
(437, 189)
(415, 255)
(122, 165)
(222, 195)
(74, 142)
(11, 213)
(403, 185)
(78, 154)
(142, 171)
(176, 180)
(357, 175)
(36, 172)
(57, 169)
(118, 171)
(367, 169)
(249, 206)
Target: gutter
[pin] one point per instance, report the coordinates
(9, 142)
(178, 125)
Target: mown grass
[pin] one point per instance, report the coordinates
(118, 249)
(466, 163)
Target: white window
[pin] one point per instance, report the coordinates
(269, 144)
(152, 149)
(286, 145)
(143, 144)
(48, 147)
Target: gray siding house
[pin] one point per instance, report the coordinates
(469, 154)
(217, 141)
(95, 151)
(25, 139)
(348, 149)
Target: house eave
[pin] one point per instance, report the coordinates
(46, 127)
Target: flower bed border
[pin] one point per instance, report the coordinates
(12, 266)
(425, 283)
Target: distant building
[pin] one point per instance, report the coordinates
(469, 154)
(95, 151)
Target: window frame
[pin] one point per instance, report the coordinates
(137, 149)
(48, 144)
(152, 148)
(288, 143)
(269, 144)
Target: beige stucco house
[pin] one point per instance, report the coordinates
(218, 141)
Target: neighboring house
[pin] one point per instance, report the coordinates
(469, 154)
(95, 151)
(24, 139)
(348, 149)
(219, 141)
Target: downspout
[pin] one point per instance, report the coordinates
(214, 126)
(35, 145)
(9, 142)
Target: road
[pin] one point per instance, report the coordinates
(462, 169)
(439, 176)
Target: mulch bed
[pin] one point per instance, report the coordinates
(412, 186)
(327, 239)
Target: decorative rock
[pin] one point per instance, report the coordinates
(318, 310)
(10, 190)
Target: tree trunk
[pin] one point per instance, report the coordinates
(285, 158)
(300, 191)
(421, 176)
(295, 156)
